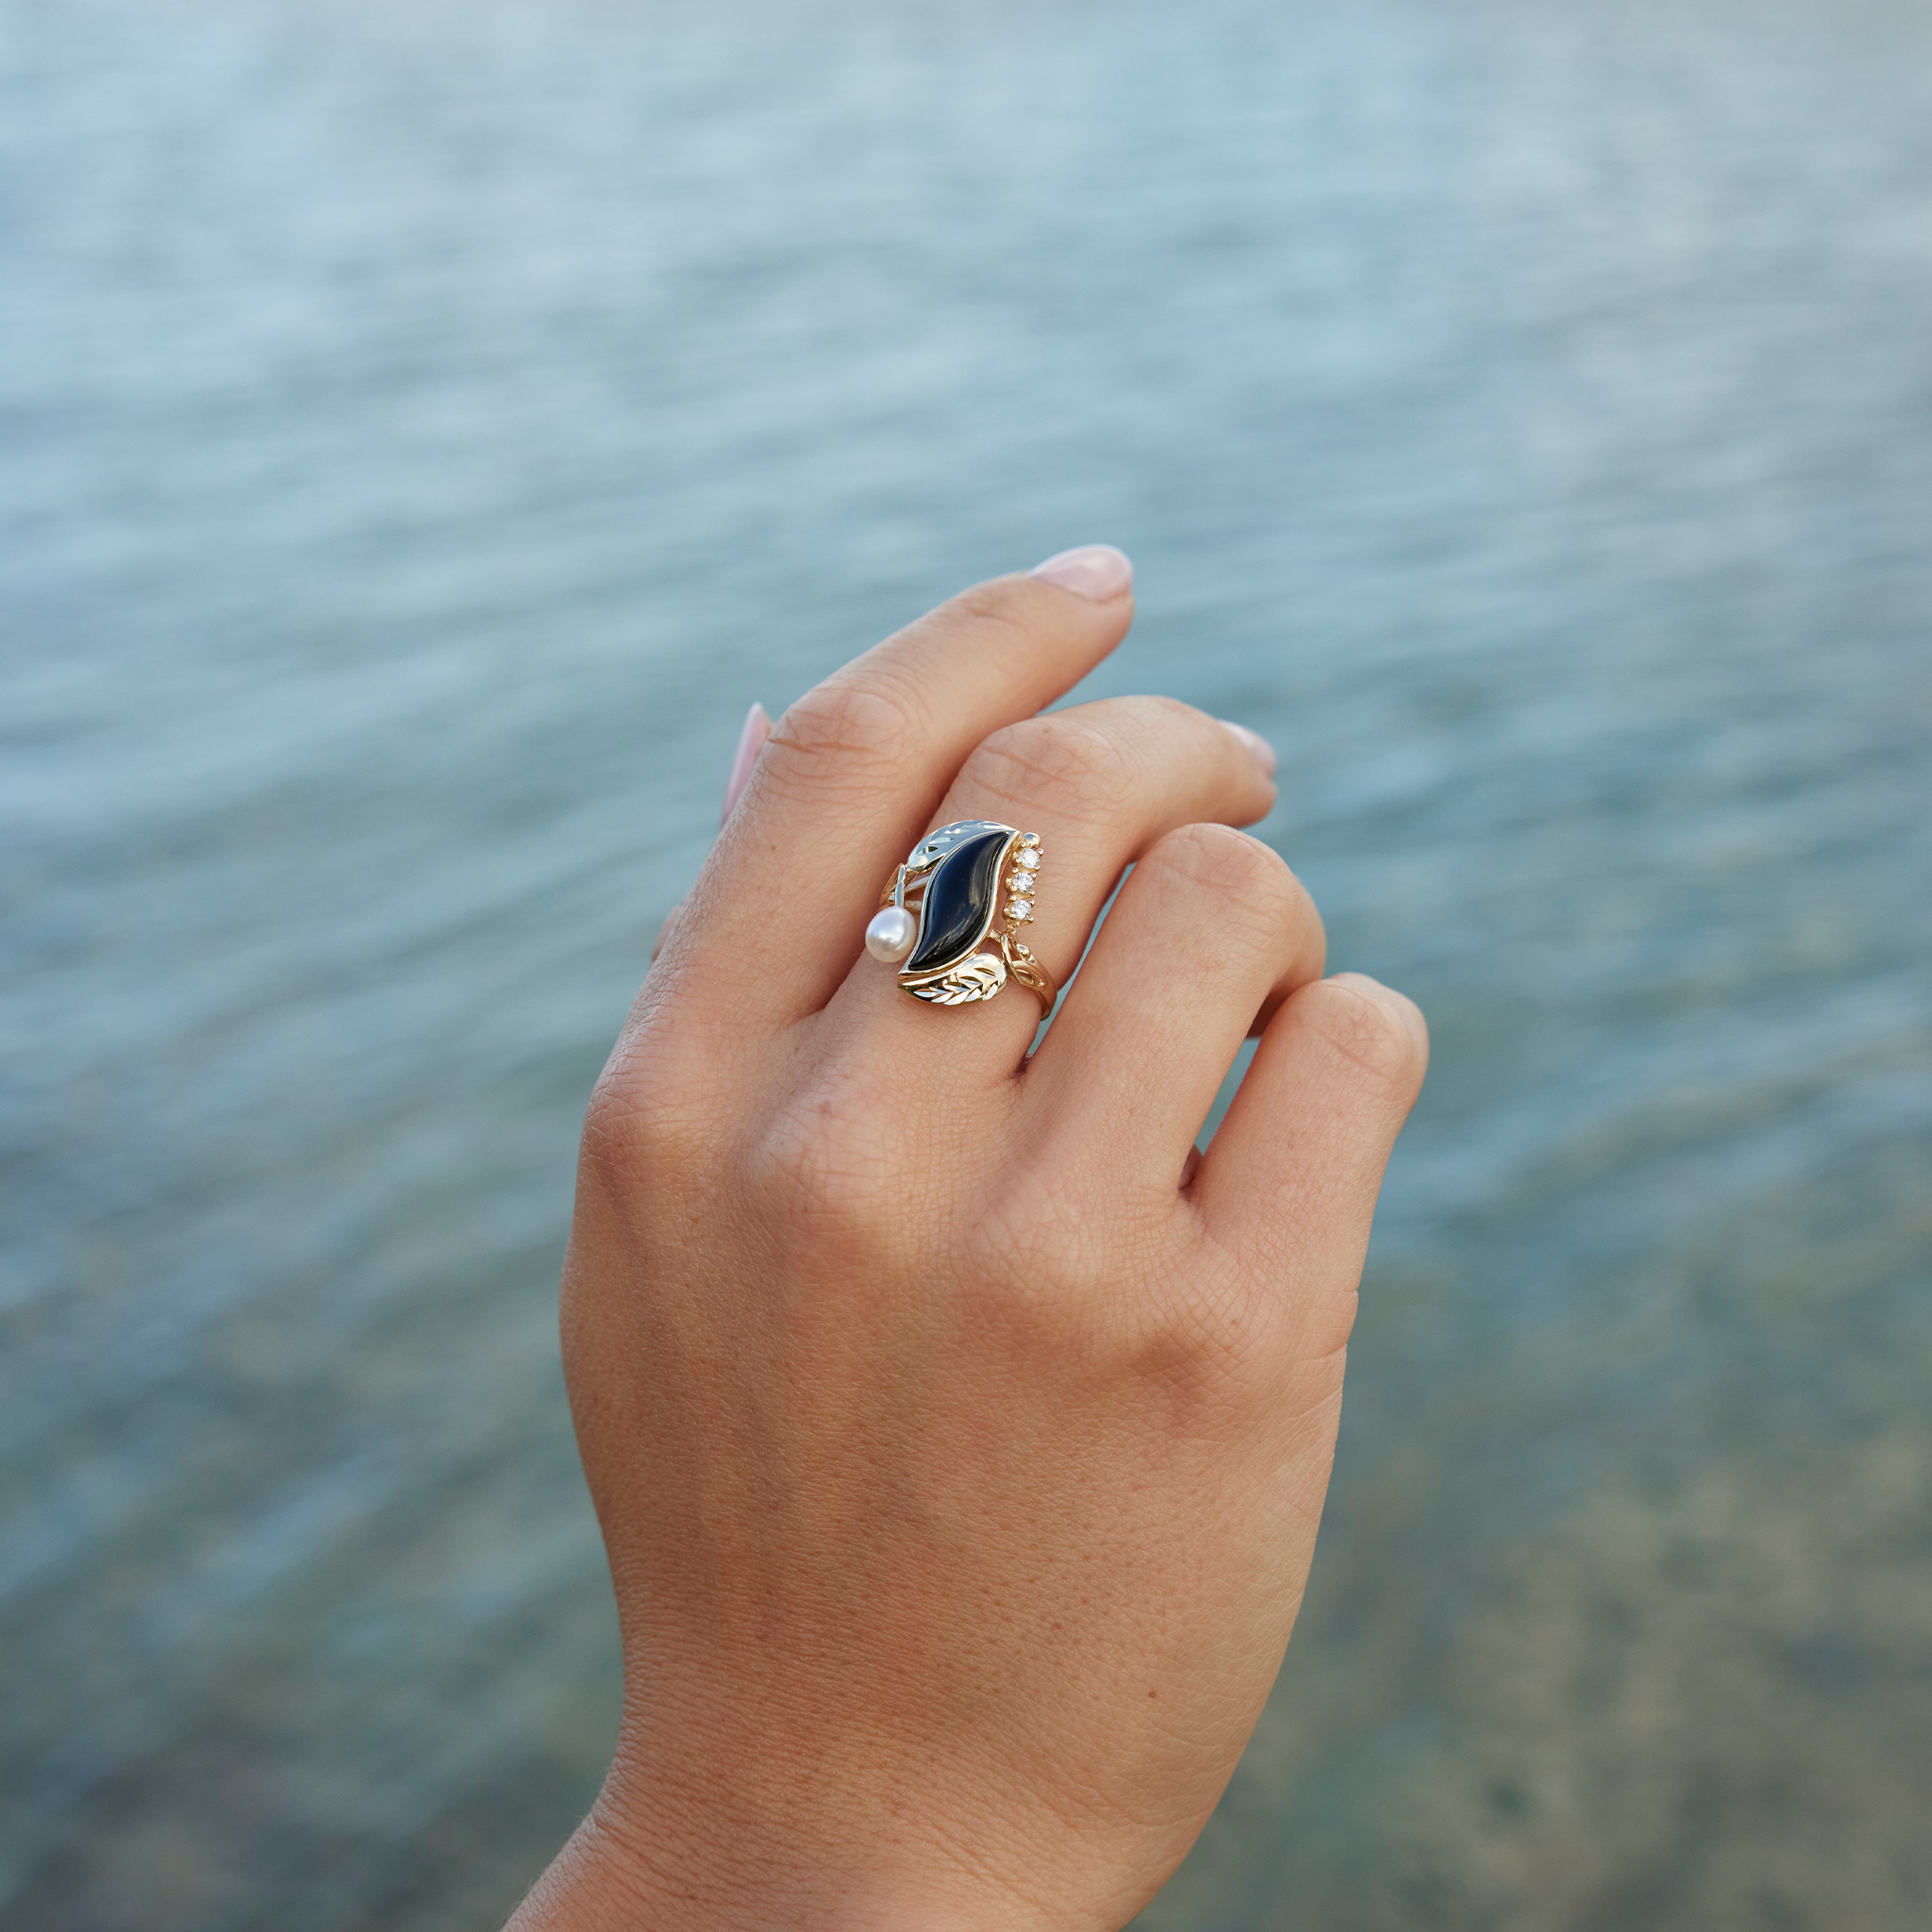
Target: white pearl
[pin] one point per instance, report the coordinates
(891, 934)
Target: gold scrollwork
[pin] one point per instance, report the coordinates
(1027, 970)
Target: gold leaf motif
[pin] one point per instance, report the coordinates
(977, 978)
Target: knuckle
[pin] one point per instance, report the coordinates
(1002, 604)
(1066, 1269)
(1211, 1341)
(1152, 732)
(1257, 895)
(1156, 716)
(1223, 1341)
(838, 734)
(1057, 764)
(1325, 1321)
(823, 1165)
(1227, 860)
(1368, 1029)
(650, 1118)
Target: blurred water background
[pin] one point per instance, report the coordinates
(424, 429)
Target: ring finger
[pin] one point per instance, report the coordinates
(1098, 783)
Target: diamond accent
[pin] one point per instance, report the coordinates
(1019, 908)
(1023, 882)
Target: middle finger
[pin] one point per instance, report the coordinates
(1099, 783)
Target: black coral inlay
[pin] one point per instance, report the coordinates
(959, 902)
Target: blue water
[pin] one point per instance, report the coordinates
(424, 430)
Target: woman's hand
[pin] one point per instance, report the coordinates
(959, 1435)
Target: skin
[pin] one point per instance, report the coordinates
(957, 1432)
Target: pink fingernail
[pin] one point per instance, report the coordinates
(1263, 751)
(751, 740)
(1096, 570)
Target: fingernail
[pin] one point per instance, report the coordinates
(1097, 570)
(751, 740)
(1263, 751)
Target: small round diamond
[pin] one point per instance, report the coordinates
(1019, 908)
(1023, 882)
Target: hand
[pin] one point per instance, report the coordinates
(959, 1435)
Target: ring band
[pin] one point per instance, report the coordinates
(937, 911)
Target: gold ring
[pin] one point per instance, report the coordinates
(936, 914)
